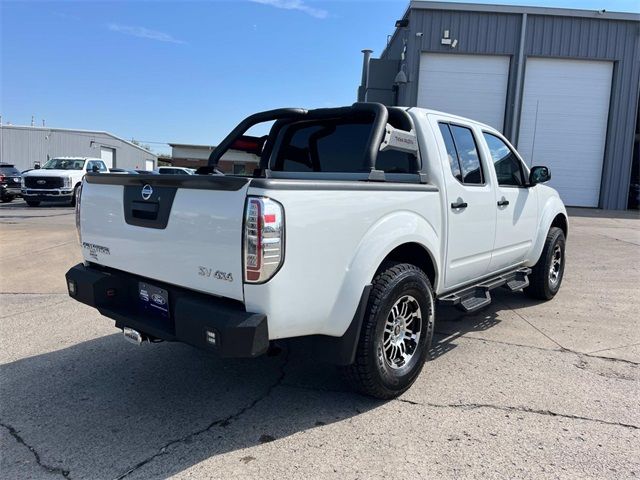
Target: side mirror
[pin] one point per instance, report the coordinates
(36, 166)
(539, 175)
(95, 169)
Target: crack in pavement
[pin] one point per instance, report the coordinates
(531, 324)
(615, 348)
(501, 342)
(558, 350)
(618, 239)
(44, 249)
(469, 406)
(508, 408)
(32, 310)
(223, 422)
(34, 293)
(23, 217)
(56, 470)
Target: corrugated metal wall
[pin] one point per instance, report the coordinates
(498, 33)
(600, 39)
(477, 33)
(23, 146)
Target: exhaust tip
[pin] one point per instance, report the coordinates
(133, 336)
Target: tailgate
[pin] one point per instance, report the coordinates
(185, 229)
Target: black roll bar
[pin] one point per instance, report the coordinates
(381, 116)
(249, 122)
(378, 110)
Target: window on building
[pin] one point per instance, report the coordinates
(508, 166)
(239, 169)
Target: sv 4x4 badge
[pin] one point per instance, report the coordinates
(218, 275)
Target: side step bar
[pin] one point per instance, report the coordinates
(475, 297)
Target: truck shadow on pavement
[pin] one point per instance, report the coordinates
(106, 409)
(452, 324)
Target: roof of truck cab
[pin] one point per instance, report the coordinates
(429, 111)
(75, 158)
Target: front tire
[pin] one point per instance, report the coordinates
(546, 275)
(75, 195)
(7, 199)
(396, 332)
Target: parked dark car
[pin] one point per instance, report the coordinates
(10, 179)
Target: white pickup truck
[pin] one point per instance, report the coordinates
(356, 223)
(59, 179)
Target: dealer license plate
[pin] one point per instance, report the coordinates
(153, 300)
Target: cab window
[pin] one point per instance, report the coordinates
(323, 146)
(336, 146)
(452, 154)
(508, 166)
(463, 154)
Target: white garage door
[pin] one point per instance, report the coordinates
(563, 125)
(473, 86)
(107, 154)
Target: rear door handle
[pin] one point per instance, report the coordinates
(459, 204)
(503, 203)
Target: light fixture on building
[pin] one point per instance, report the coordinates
(401, 77)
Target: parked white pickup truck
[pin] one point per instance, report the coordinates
(356, 222)
(59, 179)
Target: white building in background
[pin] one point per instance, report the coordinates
(27, 146)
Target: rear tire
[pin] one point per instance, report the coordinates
(396, 332)
(7, 199)
(33, 203)
(546, 275)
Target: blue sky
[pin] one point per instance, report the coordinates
(187, 72)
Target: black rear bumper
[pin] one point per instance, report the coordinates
(194, 318)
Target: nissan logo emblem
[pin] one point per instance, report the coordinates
(147, 191)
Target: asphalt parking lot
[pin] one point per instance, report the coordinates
(522, 389)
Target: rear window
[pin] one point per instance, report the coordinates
(322, 146)
(5, 170)
(334, 146)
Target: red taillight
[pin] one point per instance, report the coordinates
(253, 240)
(1, 178)
(263, 239)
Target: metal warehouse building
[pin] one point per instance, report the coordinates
(26, 146)
(562, 85)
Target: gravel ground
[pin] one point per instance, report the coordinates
(522, 389)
